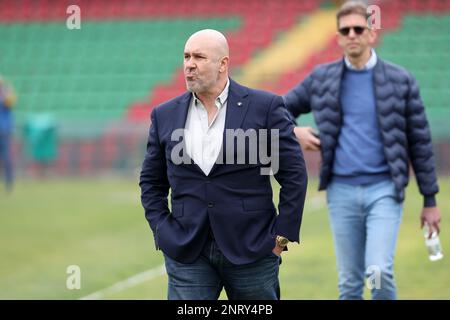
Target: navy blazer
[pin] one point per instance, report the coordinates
(234, 200)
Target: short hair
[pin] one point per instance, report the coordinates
(353, 7)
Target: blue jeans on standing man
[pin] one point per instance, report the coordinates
(212, 271)
(365, 221)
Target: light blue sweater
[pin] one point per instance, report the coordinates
(359, 156)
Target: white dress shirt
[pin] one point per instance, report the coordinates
(204, 140)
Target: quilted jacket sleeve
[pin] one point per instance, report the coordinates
(420, 146)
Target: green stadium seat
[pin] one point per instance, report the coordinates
(98, 70)
(422, 45)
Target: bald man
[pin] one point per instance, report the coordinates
(214, 148)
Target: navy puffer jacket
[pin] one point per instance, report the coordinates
(401, 116)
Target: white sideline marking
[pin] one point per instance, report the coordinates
(315, 203)
(127, 283)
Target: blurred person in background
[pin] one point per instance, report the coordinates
(372, 124)
(222, 230)
(7, 100)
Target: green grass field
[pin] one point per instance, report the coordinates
(99, 225)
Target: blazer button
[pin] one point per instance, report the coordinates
(208, 181)
(210, 204)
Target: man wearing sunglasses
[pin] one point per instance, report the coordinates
(372, 124)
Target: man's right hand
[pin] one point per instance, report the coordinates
(277, 250)
(307, 138)
(432, 217)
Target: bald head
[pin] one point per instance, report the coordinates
(211, 40)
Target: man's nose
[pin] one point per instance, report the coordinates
(188, 69)
(189, 64)
(352, 33)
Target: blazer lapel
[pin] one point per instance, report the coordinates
(179, 122)
(181, 111)
(237, 107)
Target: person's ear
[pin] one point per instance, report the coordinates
(339, 39)
(373, 35)
(224, 63)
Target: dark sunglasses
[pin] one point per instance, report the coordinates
(346, 30)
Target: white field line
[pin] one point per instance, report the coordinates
(315, 203)
(127, 283)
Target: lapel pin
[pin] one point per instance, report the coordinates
(239, 104)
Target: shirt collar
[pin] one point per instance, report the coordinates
(221, 99)
(369, 65)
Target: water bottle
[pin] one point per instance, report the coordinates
(433, 244)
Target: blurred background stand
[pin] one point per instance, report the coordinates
(40, 142)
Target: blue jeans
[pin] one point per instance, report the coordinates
(365, 222)
(5, 158)
(212, 271)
